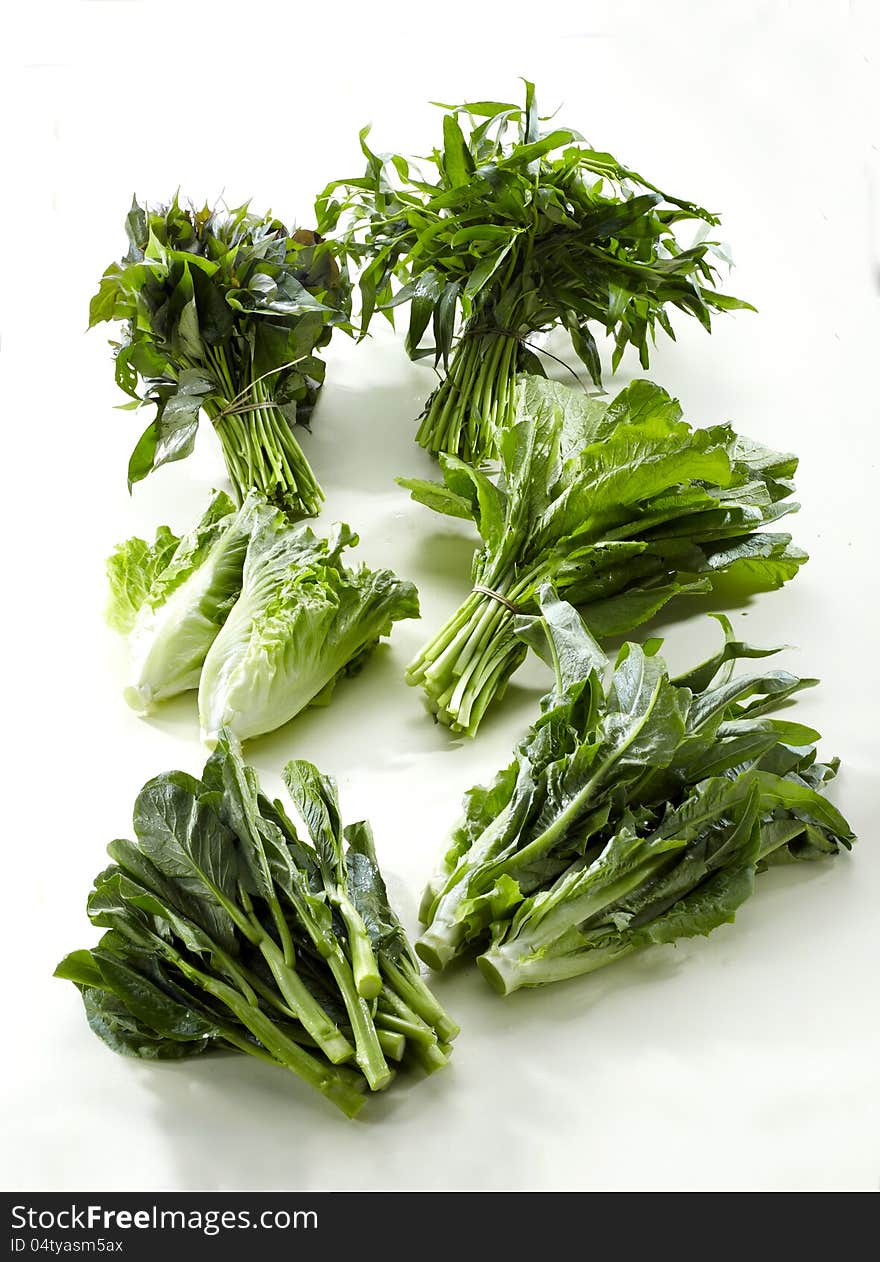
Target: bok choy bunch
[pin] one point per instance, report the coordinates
(508, 229)
(224, 314)
(230, 928)
(622, 506)
(638, 809)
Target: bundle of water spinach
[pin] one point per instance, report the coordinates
(510, 229)
(637, 810)
(228, 928)
(224, 313)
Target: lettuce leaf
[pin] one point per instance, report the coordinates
(173, 602)
(301, 622)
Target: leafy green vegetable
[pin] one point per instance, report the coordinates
(514, 230)
(173, 596)
(637, 810)
(227, 929)
(294, 619)
(302, 620)
(622, 506)
(224, 314)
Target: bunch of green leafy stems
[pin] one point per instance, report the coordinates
(226, 930)
(636, 811)
(514, 231)
(224, 313)
(624, 507)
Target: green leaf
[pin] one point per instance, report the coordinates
(186, 840)
(559, 636)
(132, 568)
(485, 270)
(439, 497)
(711, 905)
(487, 502)
(172, 433)
(444, 320)
(457, 161)
(523, 155)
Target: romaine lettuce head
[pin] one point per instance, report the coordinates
(183, 601)
(302, 620)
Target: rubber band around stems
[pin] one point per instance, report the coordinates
(487, 330)
(236, 408)
(502, 600)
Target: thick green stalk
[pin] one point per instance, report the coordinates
(422, 1039)
(337, 1084)
(409, 986)
(393, 1045)
(297, 996)
(445, 934)
(323, 1030)
(368, 1052)
(411, 1031)
(508, 967)
(467, 664)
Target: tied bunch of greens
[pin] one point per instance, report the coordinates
(512, 230)
(224, 314)
(636, 811)
(227, 929)
(259, 614)
(622, 506)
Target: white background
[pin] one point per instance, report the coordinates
(748, 1060)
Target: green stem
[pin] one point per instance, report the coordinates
(446, 934)
(368, 1052)
(506, 968)
(393, 1045)
(336, 1084)
(467, 664)
(323, 1030)
(261, 451)
(472, 405)
(410, 987)
(422, 1042)
(367, 978)
(412, 1032)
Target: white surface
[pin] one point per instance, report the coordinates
(748, 1060)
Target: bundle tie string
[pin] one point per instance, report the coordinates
(239, 404)
(486, 330)
(489, 591)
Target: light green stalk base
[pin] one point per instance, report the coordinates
(467, 664)
(510, 967)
